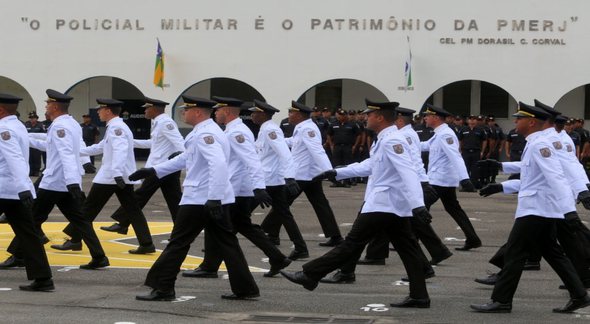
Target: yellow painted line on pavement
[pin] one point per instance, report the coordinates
(116, 251)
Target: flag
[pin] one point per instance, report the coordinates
(408, 67)
(159, 70)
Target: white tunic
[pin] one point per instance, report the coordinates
(309, 156)
(165, 139)
(118, 158)
(446, 167)
(205, 160)
(276, 159)
(14, 159)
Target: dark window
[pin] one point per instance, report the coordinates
(329, 94)
(457, 98)
(225, 87)
(494, 100)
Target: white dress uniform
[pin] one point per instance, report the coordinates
(244, 165)
(37, 141)
(274, 154)
(572, 169)
(206, 147)
(118, 158)
(393, 185)
(415, 151)
(445, 164)
(14, 160)
(64, 165)
(309, 156)
(165, 139)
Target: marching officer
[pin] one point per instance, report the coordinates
(17, 194)
(165, 143)
(447, 170)
(536, 217)
(309, 158)
(204, 205)
(473, 142)
(424, 133)
(392, 175)
(277, 163)
(247, 179)
(117, 163)
(61, 183)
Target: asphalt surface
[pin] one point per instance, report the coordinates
(108, 296)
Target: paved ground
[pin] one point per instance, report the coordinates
(107, 296)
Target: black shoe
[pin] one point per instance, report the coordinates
(532, 266)
(240, 296)
(296, 255)
(39, 285)
(12, 262)
(340, 278)
(333, 241)
(573, 304)
(492, 307)
(586, 285)
(274, 269)
(157, 295)
(68, 245)
(413, 302)
(96, 264)
(200, 273)
(338, 185)
(428, 275)
(469, 246)
(439, 259)
(45, 239)
(490, 280)
(300, 278)
(116, 227)
(367, 261)
(143, 249)
(3, 219)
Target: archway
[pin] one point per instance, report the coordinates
(85, 93)
(14, 88)
(575, 103)
(348, 94)
(223, 87)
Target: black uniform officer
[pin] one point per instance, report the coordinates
(323, 125)
(16, 198)
(494, 152)
(473, 141)
(343, 137)
(287, 127)
(515, 144)
(34, 126)
(90, 133)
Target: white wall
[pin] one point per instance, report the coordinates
(283, 64)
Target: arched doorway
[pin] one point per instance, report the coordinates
(575, 103)
(476, 97)
(85, 93)
(348, 94)
(223, 87)
(14, 88)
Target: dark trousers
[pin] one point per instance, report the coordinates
(170, 187)
(190, 221)
(34, 161)
(378, 248)
(281, 214)
(534, 235)
(448, 197)
(471, 156)
(573, 238)
(315, 194)
(97, 198)
(21, 221)
(240, 213)
(342, 154)
(72, 209)
(364, 228)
